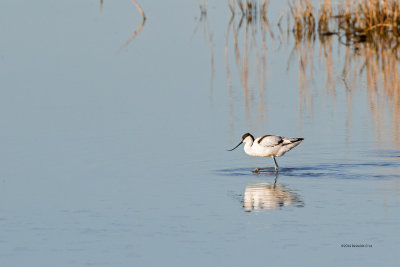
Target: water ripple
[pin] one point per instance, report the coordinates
(366, 170)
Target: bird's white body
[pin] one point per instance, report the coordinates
(269, 145)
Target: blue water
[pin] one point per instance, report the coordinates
(114, 153)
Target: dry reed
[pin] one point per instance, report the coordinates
(370, 31)
(249, 8)
(137, 31)
(354, 21)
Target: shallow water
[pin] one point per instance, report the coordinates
(114, 152)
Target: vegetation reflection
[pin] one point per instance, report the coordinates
(248, 17)
(369, 31)
(365, 35)
(137, 31)
(208, 36)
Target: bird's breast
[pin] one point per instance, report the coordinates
(260, 151)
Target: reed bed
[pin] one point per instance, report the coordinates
(249, 18)
(249, 8)
(354, 21)
(368, 31)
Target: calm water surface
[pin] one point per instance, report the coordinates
(114, 136)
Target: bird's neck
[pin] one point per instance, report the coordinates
(248, 145)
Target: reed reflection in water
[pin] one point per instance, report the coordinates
(346, 62)
(207, 35)
(370, 58)
(251, 61)
(138, 30)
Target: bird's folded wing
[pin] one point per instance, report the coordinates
(269, 140)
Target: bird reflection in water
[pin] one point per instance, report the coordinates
(267, 196)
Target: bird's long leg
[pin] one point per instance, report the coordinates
(256, 170)
(276, 164)
(276, 178)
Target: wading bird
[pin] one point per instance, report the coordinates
(268, 146)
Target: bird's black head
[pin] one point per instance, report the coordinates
(247, 135)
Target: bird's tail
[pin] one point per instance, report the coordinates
(294, 140)
(290, 143)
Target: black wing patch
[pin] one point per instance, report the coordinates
(272, 145)
(259, 141)
(294, 141)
